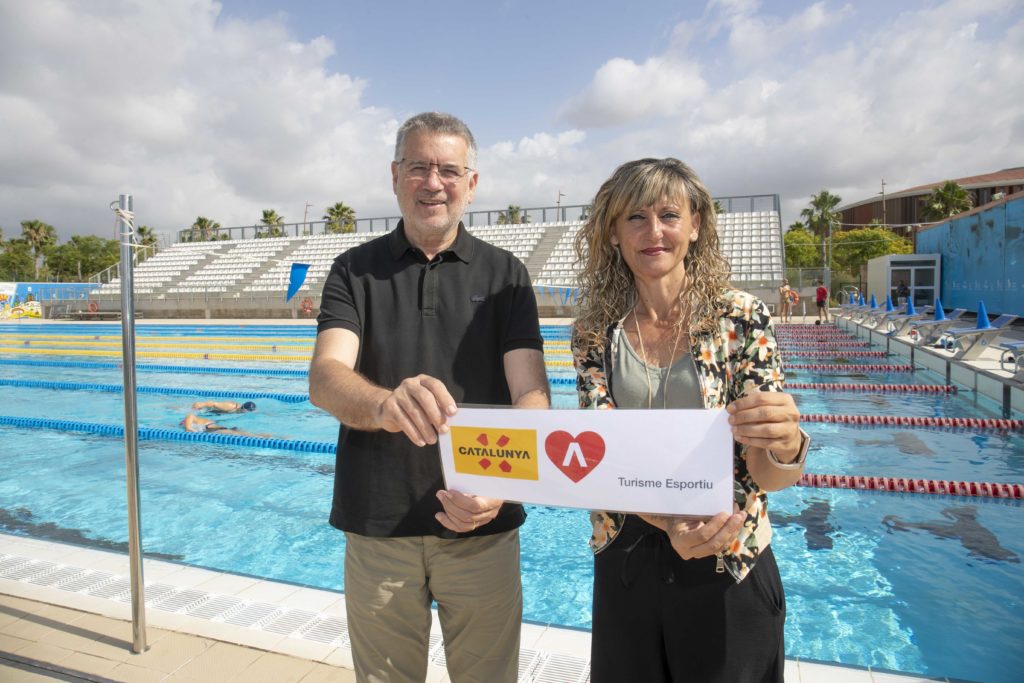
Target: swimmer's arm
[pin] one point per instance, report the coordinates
(527, 379)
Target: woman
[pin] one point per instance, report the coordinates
(785, 313)
(659, 327)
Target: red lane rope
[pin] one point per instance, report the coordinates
(834, 354)
(902, 421)
(882, 388)
(830, 344)
(906, 485)
(852, 366)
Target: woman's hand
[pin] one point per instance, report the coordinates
(767, 419)
(692, 538)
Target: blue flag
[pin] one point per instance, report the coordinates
(295, 279)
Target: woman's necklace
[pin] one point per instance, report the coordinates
(647, 369)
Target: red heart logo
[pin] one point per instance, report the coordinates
(575, 456)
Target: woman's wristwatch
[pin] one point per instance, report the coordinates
(797, 462)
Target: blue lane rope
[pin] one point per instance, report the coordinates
(169, 391)
(149, 434)
(146, 367)
(185, 369)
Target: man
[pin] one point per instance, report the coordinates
(412, 324)
(821, 300)
(224, 406)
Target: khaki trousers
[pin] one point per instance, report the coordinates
(389, 586)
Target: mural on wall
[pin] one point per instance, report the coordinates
(982, 258)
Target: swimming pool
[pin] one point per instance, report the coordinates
(928, 584)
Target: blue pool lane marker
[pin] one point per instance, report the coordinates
(148, 434)
(167, 391)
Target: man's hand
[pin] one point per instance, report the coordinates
(419, 407)
(464, 513)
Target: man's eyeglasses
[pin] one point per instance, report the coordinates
(420, 170)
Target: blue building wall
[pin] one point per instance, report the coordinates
(982, 258)
(48, 291)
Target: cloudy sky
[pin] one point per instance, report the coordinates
(224, 109)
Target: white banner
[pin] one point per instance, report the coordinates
(651, 461)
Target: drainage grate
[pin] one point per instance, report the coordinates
(290, 622)
(181, 601)
(53, 578)
(558, 668)
(436, 649)
(213, 608)
(86, 581)
(111, 589)
(330, 631)
(30, 570)
(253, 612)
(10, 563)
(528, 661)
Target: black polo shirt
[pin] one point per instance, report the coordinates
(452, 318)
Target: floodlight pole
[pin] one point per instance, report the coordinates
(131, 423)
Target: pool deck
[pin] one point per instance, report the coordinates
(65, 616)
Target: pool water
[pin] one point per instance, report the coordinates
(927, 584)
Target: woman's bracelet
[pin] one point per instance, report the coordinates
(797, 462)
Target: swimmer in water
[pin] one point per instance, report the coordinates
(224, 406)
(194, 423)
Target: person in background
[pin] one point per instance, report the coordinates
(412, 324)
(785, 310)
(821, 301)
(677, 599)
(902, 292)
(224, 406)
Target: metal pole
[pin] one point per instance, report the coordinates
(131, 426)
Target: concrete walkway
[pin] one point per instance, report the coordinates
(41, 642)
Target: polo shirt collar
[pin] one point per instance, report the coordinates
(463, 246)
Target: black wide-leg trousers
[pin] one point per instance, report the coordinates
(659, 618)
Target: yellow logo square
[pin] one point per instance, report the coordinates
(495, 452)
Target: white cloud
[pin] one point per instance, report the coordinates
(920, 98)
(190, 113)
(195, 113)
(624, 91)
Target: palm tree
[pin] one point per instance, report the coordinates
(821, 217)
(946, 201)
(39, 236)
(203, 229)
(340, 218)
(146, 235)
(513, 216)
(273, 223)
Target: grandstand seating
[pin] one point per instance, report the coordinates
(258, 268)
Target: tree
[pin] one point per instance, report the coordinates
(946, 201)
(801, 247)
(822, 217)
(718, 207)
(203, 230)
(82, 256)
(40, 236)
(272, 222)
(146, 235)
(16, 262)
(854, 248)
(513, 216)
(340, 218)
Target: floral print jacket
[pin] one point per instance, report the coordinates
(740, 357)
